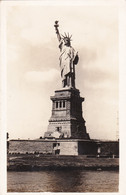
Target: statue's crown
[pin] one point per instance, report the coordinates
(67, 36)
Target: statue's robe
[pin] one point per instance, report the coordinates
(66, 58)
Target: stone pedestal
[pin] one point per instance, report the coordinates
(67, 120)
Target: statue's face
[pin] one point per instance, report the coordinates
(67, 41)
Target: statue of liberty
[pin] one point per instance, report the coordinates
(68, 59)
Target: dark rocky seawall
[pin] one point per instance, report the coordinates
(37, 162)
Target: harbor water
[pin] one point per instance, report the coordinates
(63, 181)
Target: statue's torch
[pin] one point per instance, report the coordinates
(56, 27)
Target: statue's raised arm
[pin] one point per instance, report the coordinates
(57, 30)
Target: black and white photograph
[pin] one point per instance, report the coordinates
(60, 86)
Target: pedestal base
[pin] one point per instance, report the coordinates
(67, 120)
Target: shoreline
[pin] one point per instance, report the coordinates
(29, 168)
(32, 162)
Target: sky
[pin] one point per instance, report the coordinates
(33, 72)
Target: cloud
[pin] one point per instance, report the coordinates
(45, 76)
